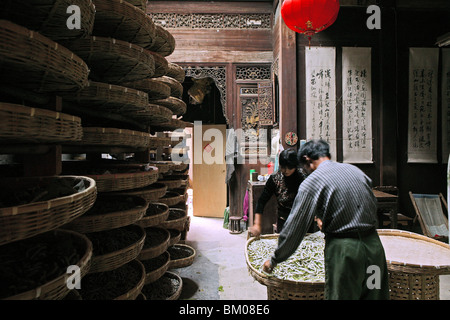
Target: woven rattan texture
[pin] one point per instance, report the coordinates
(24, 124)
(115, 61)
(121, 20)
(32, 61)
(25, 221)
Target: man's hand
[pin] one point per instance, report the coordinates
(267, 267)
(255, 230)
(319, 223)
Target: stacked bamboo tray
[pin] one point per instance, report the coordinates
(113, 80)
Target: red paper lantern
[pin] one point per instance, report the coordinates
(309, 16)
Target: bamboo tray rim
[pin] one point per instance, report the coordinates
(421, 268)
(272, 280)
(83, 263)
(35, 112)
(182, 262)
(50, 204)
(99, 261)
(136, 290)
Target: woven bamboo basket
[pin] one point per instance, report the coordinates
(176, 105)
(95, 136)
(171, 198)
(179, 166)
(149, 252)
(136, 290)
(150, 193)
(156, 142)
(177, 220)
(171, 183)
(31, 61)
(175, 236)
(121, 20)
(106, 221)
(116, 259)
(125, 177)
(153, 275)
(176, 72)
(154, 286)
(163, 166)
(151, 219)
(164, 42)
(97, 286)
(161, 65)
(414, 264)
(24, 124)
(57, 289)
(109, 97)
(181, 262)
(49, 17)
(114, 61)
(141, 4)
(172, 124)
(278, 289)
(176, 88)
(27, 220)
(155, 88)
(153, 114)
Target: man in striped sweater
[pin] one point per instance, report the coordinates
(339, 198)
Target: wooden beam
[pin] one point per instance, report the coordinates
(188, 7)
(219, 56)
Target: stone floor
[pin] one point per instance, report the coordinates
(219, 271)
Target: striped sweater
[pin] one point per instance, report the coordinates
(340, 195)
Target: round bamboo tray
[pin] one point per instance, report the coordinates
(114, 61)
(151, 290)
(27, 220)
(153, 114)
(141, 4)
(155, 274)
(172, 124)
(50, 17)
(116, 259)
(179, 166)
(171, 198)
(156, 142)
(176, 72)
(177, 220)
(176, 105)
(164, 42)
(95, 136)
(109, 97)
(161, 65)
(31, 61)
(171, 183)
(24, 124)
(181, 262)
(176, 88)
(121, 20)
(151, 250)
(278, 289)
(156, 89)
(136, 290)
(163, 166)
(126, 176)
(175, 236)
(151, 219)
(150, 193)
(103, 286)
(414, 264)
(57, 289)
(92, 222)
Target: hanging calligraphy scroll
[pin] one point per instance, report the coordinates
(357, 105)
(422, 118)
(445, 104)
(321, 95)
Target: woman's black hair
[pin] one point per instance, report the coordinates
(288, 158)
(313, 149)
